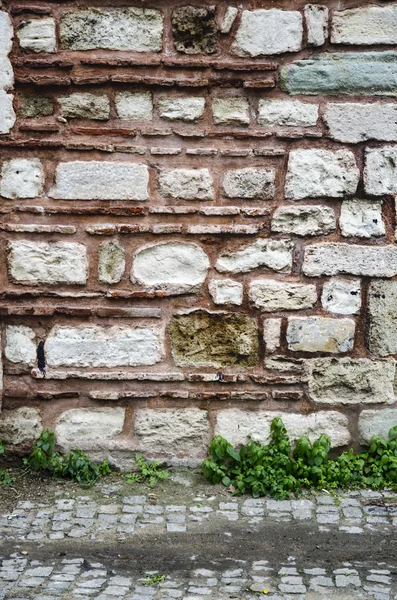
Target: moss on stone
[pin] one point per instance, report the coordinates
(194, 30)
(36, 106)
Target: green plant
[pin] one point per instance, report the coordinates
(153, 579)
(5, 477)
(149, 473)
(277, 470)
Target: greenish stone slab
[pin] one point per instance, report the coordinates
(369, 73)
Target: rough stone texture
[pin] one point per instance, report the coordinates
(361, 218)
(20, 347)
(88, 428)
(376, 422)
(352, 122)
(190, 108)
(37, 35)
(334, 258)
(264, 32)
(173, 267)
(36, 106)
(228, 19)
(101, 346)
(336, 381)
(226, 291)
(79, 180)
(236, 425)
(207, 339)
(21, 178)
(271, 295)
(366, 25)
(249, 184)
(194, 30)
(85, 106)
(6, 33)
(304, 220)
(382, 317)
(47, 262)
(342, 296)
(20, 425)
(231, 111)
(317, 24)
(317, 173)
(380, 173)
(320, 334)
(134, 29)
(272, 334)
(289, 113)
(273, 254)
(186, 184)
(111, 262)
(134, 106)
(7, 114)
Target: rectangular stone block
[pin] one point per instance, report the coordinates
(186, 184)
(317, 24)
(380, 173)
(320, 334)
(134, 106)
(20, 346)
(249, 183)
(376, 422)
(134, 29)
(304, 220)
(273, 254)
(288, 113)
(7, 114)
(89, 428)
(21, 178)
(37, 35)
(102, 346)
(20, 425)
(271, 295)
(382, 317)
(352, 122)
(85, 106)
(189, 108)
(47, 262)
(231, 111)
(334, 258)
(351, 381)
(264, 32)
(367, 25)
(96, 180)
(361, 218)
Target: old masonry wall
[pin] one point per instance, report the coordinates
(197, 222)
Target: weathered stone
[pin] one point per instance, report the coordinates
(316, 173)
(353, 122)
(333, 258)
(111, 262)
(289, 113)
(317, 24)
(88, 428)
(304, 220)
(20, 347)
(194, 29)
(7, 114)
(263, 32)
(231, 111)
(228, 19)
(249, 183)
(376, 422)
(186, 184)
(21, 178)
(365, 73)
(85, 106)
(36, 106)
(380, 173)
(273, 254)
(320, 334)
(20, 425)
(367, 25)
(189, 108)
(351, 381)
(37, 35)
(207, 339)
(134, 106)
(226, 291)
(6, 33)
(272, 295)
(135, 29)
(361, 218)
(342, 296)
(236, 425)
(272, 334)
(173, 267)
(97, 346)
(6, 73)
(47, 262)
(382, 317)
(97, 180)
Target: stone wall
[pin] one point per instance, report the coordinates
(197, 222)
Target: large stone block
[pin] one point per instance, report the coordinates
(376, 422)
(317, 173)
(134, 106)
(361, 218)
(7, 114)
(271, 295)
(173, 267)
(231, 111)
(89, 428)
(316, 23)
(186, 184)
(263, 32)
(194, 29)
(342, 296)
(47, 262)
(20, 347)
(85, 106)
(320, 334)
(37, 35)
(351, 381)
(236, 425)
(382, 317)
(380, 173)
(249, 183)
(226, 291)
(189, 108)
(21, 178)
(353, 122)
(97, 180)
(20, 425)
(35, 106)
(367, 25)
(6, 73)
(134, 29)
(6, 33)
(111, 262)
(333, 258)
(272, 334)
(304, 220)
(102, 346)
(287, 113)
(201, 338)
(273, 254)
